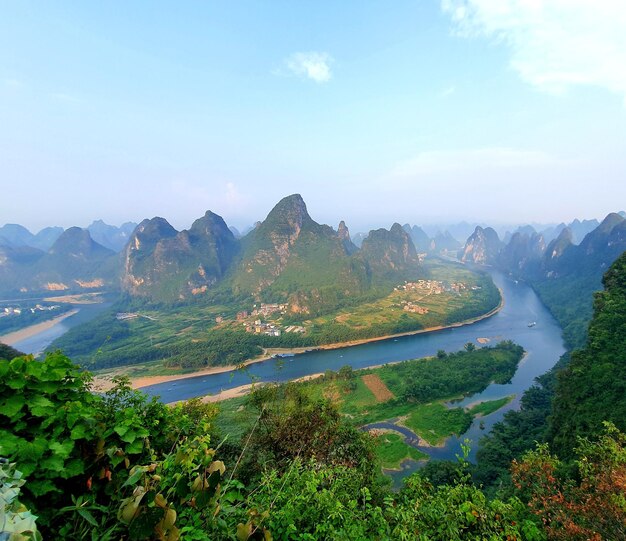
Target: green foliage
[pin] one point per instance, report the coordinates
(458, 511)
(84, 456)
(435, 422)
(47, 417)
(391, 450)
(489, 406)
(8, 353)
(291, 425)
(458, 373)
(517, 433)
(591, 389)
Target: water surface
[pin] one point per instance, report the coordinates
(543, 344)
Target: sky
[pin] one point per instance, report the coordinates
(424, 111)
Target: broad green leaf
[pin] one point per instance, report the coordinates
(135, 447)
(53, 463)
(79, 432)
(39, 488)
(12, 405)
(9, 443)
(40, 406)
(62, 449)
(134, 477)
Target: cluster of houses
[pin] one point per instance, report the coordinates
(414, 308)
(16, 311)
(263, 328)
(433, 286)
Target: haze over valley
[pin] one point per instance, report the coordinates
(366, 277)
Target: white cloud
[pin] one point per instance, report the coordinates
(448, 91)
(472, 160)
(555, 44)
(312, 65)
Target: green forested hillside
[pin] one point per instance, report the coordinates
(584, 389)
(120, 466)
(592, 388)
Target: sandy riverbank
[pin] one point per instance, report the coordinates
(103, 382)
(14, 337)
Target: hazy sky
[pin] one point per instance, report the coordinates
(421, 111)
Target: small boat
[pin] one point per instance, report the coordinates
(532, 324)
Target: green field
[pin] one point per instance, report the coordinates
(185, 337)
(434, 422)
(392, 451)
(417, 393)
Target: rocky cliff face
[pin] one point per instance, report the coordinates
(420, 239)
(344, 235)
(164, 264)
(389, 251)
(482, 247)
(523, 251)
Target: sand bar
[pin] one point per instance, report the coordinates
(14, 337)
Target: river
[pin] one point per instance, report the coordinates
(543, 344)
(39, 342)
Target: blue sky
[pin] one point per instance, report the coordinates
(421, 112)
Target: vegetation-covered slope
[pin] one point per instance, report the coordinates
(592, 388)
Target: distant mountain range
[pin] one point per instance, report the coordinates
(564, 273)
(287, 257)
(290, 257)
(109, 236)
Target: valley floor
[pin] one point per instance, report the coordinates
(139, 378)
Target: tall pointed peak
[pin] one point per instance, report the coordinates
(343, 231)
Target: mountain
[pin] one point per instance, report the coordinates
(113, 238)
(163, 264)
(290, 252)
(141, 259)
(552, 232)
(15, 263)
(389, 252)
(46, 238)
(581, 228)
(524, 250)
(74, 262)
(567, 274)
(419, 237)
(16, 235)
(592, 388)
(444, 242)
(344, 235)
(358, 238)
(482, 247)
